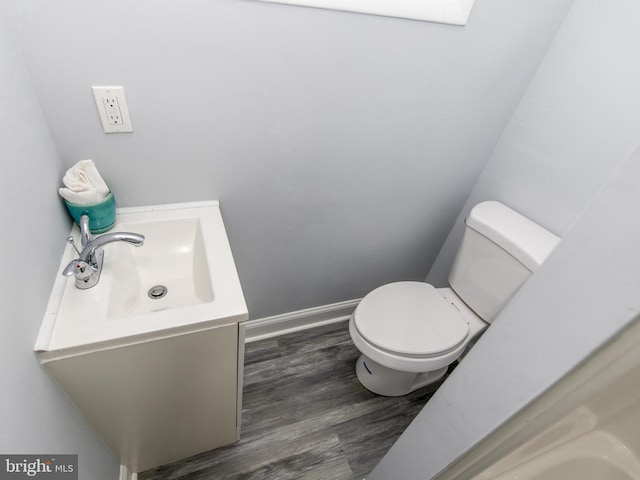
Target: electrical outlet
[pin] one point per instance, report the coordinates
(112, 108)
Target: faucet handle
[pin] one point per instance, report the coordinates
(87, 274)
(70, 269)
(82, 270)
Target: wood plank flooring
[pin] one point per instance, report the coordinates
(305, 415)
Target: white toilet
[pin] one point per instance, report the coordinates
(408, 333)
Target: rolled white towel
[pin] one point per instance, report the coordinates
(84, 184)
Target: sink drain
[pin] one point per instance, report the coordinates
(157, 292)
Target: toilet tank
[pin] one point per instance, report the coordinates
(500, 249)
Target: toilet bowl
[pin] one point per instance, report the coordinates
(408, 334)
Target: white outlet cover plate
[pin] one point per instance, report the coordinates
(102, 92)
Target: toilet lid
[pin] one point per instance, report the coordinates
(410, 318)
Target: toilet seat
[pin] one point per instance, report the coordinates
(410, 319)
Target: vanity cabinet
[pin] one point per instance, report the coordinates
(158, 377)
(162, 399)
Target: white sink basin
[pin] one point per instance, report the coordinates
(170, 271)
(182, 279)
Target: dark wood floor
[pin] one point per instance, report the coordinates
(305, 415)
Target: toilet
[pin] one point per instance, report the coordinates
(408, 333)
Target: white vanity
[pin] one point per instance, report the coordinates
(152, 356)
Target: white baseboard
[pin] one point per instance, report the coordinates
(277, 325)
(125, 474)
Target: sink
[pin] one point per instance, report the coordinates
(182, 278)
(169, 272)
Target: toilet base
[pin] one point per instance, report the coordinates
(392, 383)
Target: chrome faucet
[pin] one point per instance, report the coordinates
(88, 266)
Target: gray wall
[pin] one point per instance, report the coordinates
(565, 312)
(341, 146)
(35, 417)
(578, 121)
